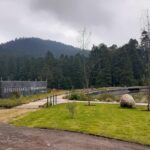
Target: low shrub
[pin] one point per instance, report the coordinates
(74, 96)
(15, 100)
(140, 97)
(107, 97)
(79, 96)
(15, 94)
(9, 103)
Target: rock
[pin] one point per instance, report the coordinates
(127, 101)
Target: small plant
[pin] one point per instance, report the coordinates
(72, 109)
(84, 97)
(15, 94)
(140, 97)
(13, 101)
(74, 96)
(89, 98)
(107, 97)
(79, 96)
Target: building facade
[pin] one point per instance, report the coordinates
(7, 88)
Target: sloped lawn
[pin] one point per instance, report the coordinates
(101, 119)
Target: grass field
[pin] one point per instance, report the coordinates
(101, 119)
(7, 115)
(12, 102)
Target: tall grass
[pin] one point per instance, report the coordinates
(108, 97)
(15, 101)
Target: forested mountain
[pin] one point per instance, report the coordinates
(104, 66)
(37, 47)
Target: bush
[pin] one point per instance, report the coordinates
(107, 97)
(9, 103)
(12, 102)
(140, 97)
(79, 96)
(74, 96)
(15, 94)
(84, 97)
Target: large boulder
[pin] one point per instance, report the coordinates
(127, 101)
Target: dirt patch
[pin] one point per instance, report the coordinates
(22, 138)
(7, 115)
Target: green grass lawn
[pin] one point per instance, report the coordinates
(101, 119)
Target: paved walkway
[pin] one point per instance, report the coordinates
(33, 105)
(98, 102)
(22, 138)
(60, 100)
(40, 103)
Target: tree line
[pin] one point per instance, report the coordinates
(105, 66)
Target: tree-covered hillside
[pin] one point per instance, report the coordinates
(37, 47)
(105, 66)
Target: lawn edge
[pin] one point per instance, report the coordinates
(84, 133)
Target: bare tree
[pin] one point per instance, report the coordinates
(145, 43)
(84, 41)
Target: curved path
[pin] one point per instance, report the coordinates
(39, 103)
(22, 138)
(60, 100)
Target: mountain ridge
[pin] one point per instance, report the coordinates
(38, 47)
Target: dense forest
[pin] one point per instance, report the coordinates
(104, 66)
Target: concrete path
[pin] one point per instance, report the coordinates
(33, 105)
(60, 100)
(40, 103)
(22, 138)
(102, 102)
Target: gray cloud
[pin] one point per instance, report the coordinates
(77, 12)
(110, 22)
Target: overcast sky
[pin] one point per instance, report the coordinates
(109, 21)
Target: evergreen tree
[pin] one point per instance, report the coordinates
(101, 66)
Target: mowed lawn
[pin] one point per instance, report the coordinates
(101, 119)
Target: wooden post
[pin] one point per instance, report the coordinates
(47, 102)
(53, 100)
(50, 100)
(56, 99)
